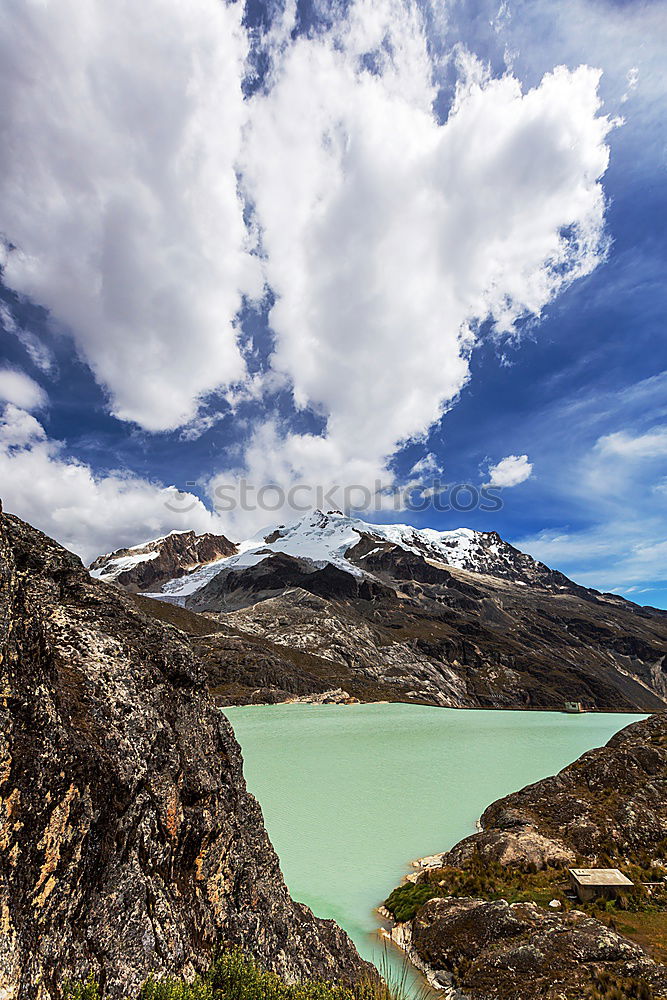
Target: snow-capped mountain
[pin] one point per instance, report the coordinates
(150, 565)
(393, 612)
(183, 564)
(349, 544)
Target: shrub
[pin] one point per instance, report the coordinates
(88, 990)
(404, 901)
(234, 975)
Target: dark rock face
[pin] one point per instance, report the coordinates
(244, 668)
(253, 670)
(129, 843)
(232, 589)
(147, 567)
(503, 950)
(489, 555)
(445, 636)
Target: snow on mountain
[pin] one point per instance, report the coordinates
(110, 565)
(112, 568)
(322, 538)
(318, 537)
(151, 564)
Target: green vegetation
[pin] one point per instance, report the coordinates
(404, 901)
(234, 975)
(88, 990)
(484, 879)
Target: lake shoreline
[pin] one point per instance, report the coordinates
(504, 890)
(349, 702)
(348, 796)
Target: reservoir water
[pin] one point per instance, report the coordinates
(352, 793)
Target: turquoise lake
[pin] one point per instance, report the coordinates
(352, 793)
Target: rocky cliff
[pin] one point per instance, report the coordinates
(128, 841)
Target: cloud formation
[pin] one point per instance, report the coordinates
(17, 387)
(388, 236)
(510, 471)
(119, 190)
(651, 444)
(38, 353)
(612, 487)
(87, 513)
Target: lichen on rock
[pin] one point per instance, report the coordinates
(128, 841)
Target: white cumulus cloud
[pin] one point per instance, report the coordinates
(17, 387)
(389, 236)
(87, 513)
(122, 126)
(510, 471)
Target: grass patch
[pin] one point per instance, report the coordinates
(649, 929)
(489, 880)
(483, 880)
(607, 986)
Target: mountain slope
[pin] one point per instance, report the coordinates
(150, 565)
(129, 841)
(456, 618)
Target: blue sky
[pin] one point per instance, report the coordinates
(318, 247)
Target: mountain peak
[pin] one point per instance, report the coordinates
(149, 565)
(317, 539)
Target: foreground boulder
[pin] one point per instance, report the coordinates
(501, 951)
(520, 845)
(128, 841)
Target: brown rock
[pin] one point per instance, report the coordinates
(521, 847)
(148, 566)
(129, 843)
(501, 951)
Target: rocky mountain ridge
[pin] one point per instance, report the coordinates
(149, 565)
(320, 540)
(375, 610)
(129, 843)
